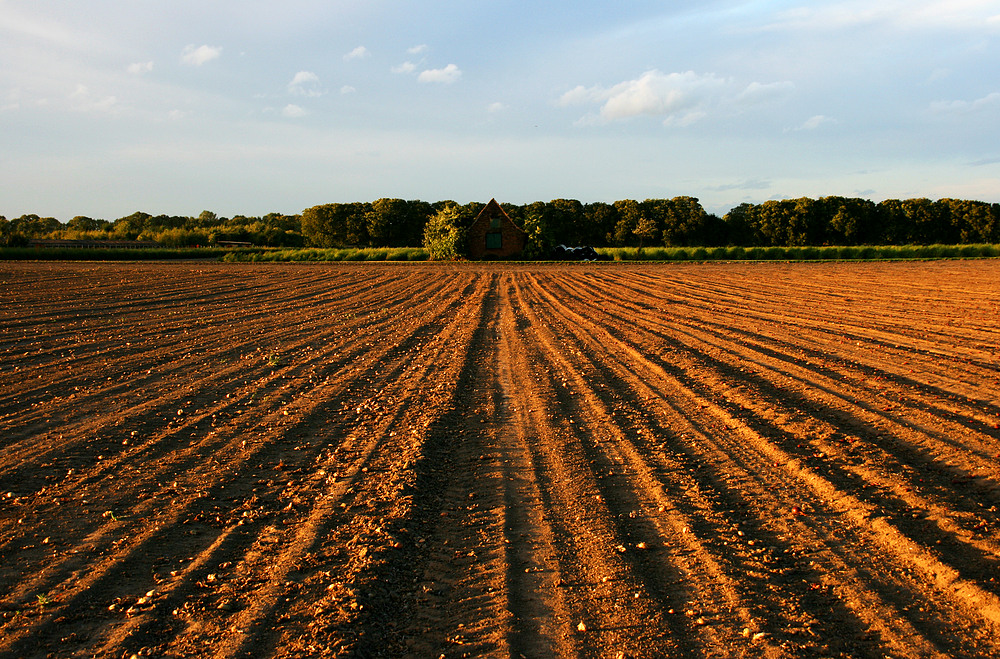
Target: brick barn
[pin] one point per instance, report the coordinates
(493, 235)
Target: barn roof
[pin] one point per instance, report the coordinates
(493, 208)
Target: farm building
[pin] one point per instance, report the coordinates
(493, 235)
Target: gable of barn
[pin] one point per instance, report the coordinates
(493, 235)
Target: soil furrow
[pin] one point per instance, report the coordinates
(499, 460)
(669, 392)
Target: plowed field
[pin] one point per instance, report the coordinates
(779, 460)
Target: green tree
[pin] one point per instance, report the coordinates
(8, 236)
(336, 225)
(807, 222)
(924, 222)
(564, 221)
(773, 221)
(714, 231)
(386, 221)
(418, 214)
(684, 222)
(970, 221)
(130, 226)
(740, 224)
(84, 223)
(183, 237)
(514, 211)
(649, 223)
(891, 220)
(978, 222)
(283, 222)
(277, 230)
(850, 221)
(540, 238)
(854, 221)
(600, 219)
(33, 226)
(444, 235)
(471, 211)
(844, 227)
(628, 214)
(321, 226)
(159, 223)
(466, 213)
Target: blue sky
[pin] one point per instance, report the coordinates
(249, 107)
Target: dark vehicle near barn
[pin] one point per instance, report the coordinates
(564, 253)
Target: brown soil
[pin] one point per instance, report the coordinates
(779, 460)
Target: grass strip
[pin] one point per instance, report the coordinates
(803, 253)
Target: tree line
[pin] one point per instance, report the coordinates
(170, 230)
(677, 222)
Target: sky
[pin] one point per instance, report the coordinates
(247, 107)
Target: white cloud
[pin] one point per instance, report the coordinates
(496, 107)
(757, 92)
(940, 73)
(746, 184)
(293, 111)
(580, 95)
(198, 55)
(814, 122)
(305, 83)
(347, 89)
(964, 107)
(139, 68)
(358, 53)
(57, 32)
(83, 100)
(303, 77)
(447, 75)
(970, 14)
(405, 67)
(680, 98)
(898, 14)
(988, 101)
(409, 66)
(12, 101)
(949, 107)
(830, 17)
